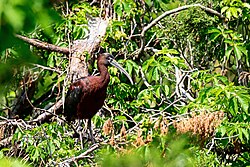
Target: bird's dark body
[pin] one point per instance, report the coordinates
(87, 95)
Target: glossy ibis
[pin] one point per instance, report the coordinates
(86, 96)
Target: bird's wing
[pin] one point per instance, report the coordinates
(72, 99)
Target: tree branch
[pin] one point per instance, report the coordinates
(43, 45)
(79, 157)
(50, 112)
(155, 21)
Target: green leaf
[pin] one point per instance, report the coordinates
(240, 134)
(167, 51)
(149, 2)
(129, 68)
(244, 102)
(229, 41)
(148, 63)
(150, 74)
(163, 70)
(224, 9)
(237, 52)
(246, 5)
(155, 75)
(228, 14)
(214, 36)
(50, 61)
(214, 30)
(223, 79)
(118, 7)
(121, 118)
(235, 106)
(223, 130)
(242, 49)
(246, 134)
(166, 90)
(228, 51)
(158, 91)
(234, 11)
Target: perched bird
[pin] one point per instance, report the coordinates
(87, 95)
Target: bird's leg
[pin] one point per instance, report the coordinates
(91, 131)
(80, 131)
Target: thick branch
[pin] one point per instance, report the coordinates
(78, 65)
(43, 45)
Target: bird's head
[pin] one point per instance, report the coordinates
(108, 59)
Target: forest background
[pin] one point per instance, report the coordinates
(189, 61)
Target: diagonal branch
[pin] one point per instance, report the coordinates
(43, 45)
(154, 22)
(81, 156)
(176, 10)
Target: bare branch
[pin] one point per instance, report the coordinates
(154, 22)
(48, 68)
(79, 157)
(176, 10)
(144, 78)
(5, 141)
(49, 113)
(43, 45)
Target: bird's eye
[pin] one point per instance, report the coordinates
(110, 58)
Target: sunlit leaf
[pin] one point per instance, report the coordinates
(247, 5)
(223, 130)
(121, 118)
(155, 74)
(224, 9)
(158, 91)
(237, 52)
(214, 30)
(244, 102)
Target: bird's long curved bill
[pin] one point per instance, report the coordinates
(114, 63)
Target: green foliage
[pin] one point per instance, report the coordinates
(126, 6)
(233, 9)
(45, 143)
(194, 41)
(235, 48)
(161, 152)
(17, 16)
(8, 162)
(211, 159)
(218, 94)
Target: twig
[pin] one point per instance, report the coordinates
(43, 45)
(48, 68)
(14, 122)
(79, 157)
(222, 138)
(5, 141)
(49, 112)
(144, 78)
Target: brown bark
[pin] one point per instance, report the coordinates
(44, 45)
(78, 65)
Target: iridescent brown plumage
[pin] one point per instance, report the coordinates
(87, 95)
